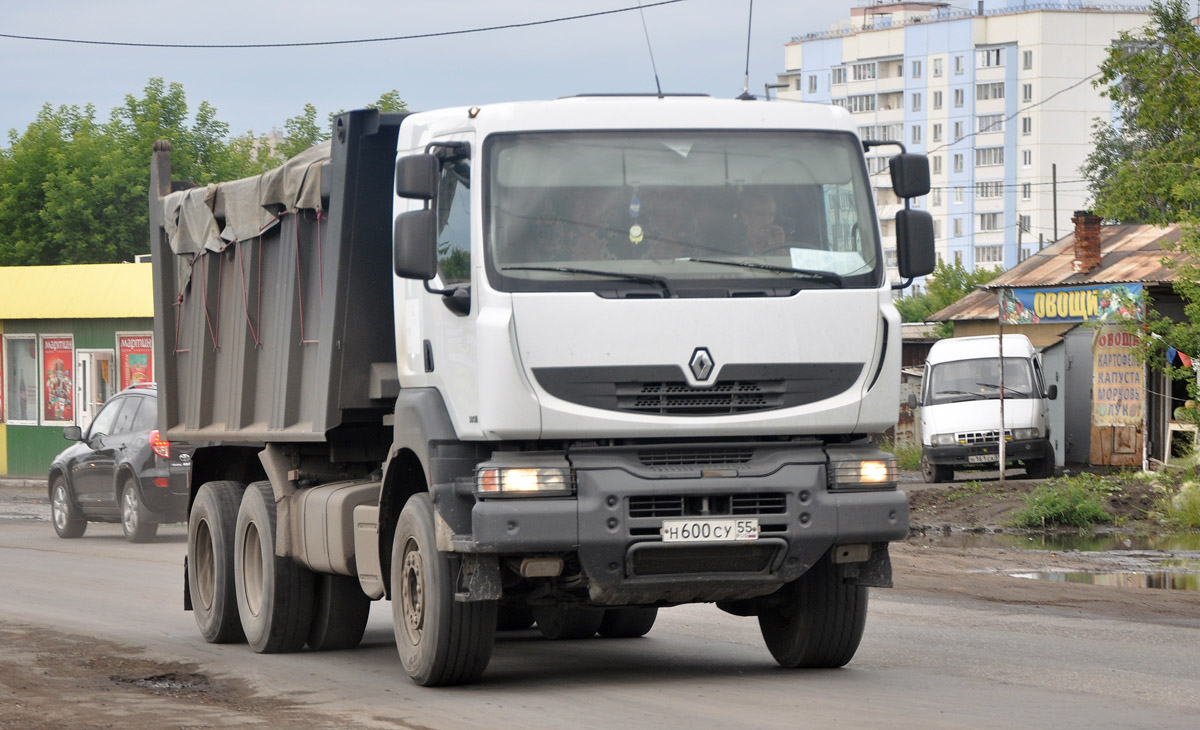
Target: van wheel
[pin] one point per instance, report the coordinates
(935, 473)
(1042, 468)
(819, 623)
(274, 594)
(440, 641)
(211, 525)
(628, 623)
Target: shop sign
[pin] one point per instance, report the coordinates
(1117, 386)
(1065, 304)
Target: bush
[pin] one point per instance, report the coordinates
(908, 458)
(1072, 501)
(1181, 505)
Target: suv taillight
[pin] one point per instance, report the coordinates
(161, 446)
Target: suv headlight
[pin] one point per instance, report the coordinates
(943, 439)
(1026, 434)
(524, 481)
(863, 474)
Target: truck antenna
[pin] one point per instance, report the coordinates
(650, 48)
(746, 95)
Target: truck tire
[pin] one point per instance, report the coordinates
(274, 594)
(568, 622)
(820, 622)
(1042, 468)
(210, 561)
(440, 641)
(935, 473)
(69, 522)
(340, 612)
(628, 623)
(135, 520)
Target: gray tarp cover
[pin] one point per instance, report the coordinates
(251, 205)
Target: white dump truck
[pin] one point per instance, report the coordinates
(558, 363)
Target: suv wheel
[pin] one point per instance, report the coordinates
(135, 521)
(68, 520)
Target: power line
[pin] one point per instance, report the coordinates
(415, 36)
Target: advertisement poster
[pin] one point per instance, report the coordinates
(58, 364)
(1048, 305)
(136, 357)
(1, 380)
(1117, 380)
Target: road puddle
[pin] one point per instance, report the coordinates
(1062, 542)
(1171, 580)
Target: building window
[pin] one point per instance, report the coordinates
(991, 221)
(798, 81)
(989, 255)
(937, 164)
(1025, 222)
(937, 68)
(958, 256)
(935, 133)
(916, 69)
(889, 255)
(1027, 158)
(957, 233)
(21, 380)
(991, 123)
(1022, 254)
(839, 75)
(936, 194)
(916, 134)
(958, 167)
(1026, 191)
(864, 71)
(958, 195)
(958, 131)
(916, 102)
(958, 98)
(958, 64)
(1027, 92)
(937, 229)
(993, 90)
(860, 103)
(989, 189)
(989, 58)
(937, 100)
(812, 84)
(989, 156)
(1027, 60)
(1027, 125)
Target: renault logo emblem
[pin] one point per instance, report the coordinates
(701, 364)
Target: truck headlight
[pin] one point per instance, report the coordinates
(518, 482)
(1026, 434)
(943, 439)
(863, 474)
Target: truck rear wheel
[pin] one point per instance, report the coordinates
(211, 526)
(440, 641)
(820, 621)
(628, 623)
(340, 613)
(274, 594)
(568, 622)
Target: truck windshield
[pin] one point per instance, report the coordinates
(964, 380)
(707, 212)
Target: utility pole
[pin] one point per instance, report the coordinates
(1054, 196)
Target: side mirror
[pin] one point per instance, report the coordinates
(1052, 392)
(912, 401)
(73, 433)
(414, 244)
(910, 174)
(417, 177)
(914, 243)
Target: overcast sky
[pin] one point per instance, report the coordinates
(699, 46)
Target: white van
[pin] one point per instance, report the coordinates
(960, 407)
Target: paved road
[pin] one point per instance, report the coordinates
(923, 663)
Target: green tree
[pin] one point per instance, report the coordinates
(1146, 168)
(946, 285)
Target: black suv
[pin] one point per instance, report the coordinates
(121, 470)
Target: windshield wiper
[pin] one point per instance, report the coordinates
(961, 392)
(640, 278)
(1006, 388)
(828, 276)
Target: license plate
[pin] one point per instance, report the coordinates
(982, 458)
(710, 530)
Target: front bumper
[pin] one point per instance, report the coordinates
(977, 455)
(613, 524)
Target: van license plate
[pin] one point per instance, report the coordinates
(982, 458)
(718, 530)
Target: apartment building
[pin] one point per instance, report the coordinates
(998, 95)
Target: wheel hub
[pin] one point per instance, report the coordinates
(412, 592)
(60, 508)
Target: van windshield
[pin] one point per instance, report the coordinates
(965, 380)
(660, 213)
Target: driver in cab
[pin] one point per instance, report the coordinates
(757, 214)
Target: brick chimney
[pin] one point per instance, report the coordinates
(1087, 241)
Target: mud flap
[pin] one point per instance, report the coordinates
(876, 571)
(478, 577)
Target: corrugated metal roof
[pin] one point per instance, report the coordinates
(1129, 253)
(88, 291)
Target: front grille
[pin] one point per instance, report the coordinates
(663, 560)
(681, 399)
(678, 505)
(982, 437)
(694, 457)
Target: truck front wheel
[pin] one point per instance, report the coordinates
(819, 621)
(211, 525)
(441, 641)
(274, 594)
